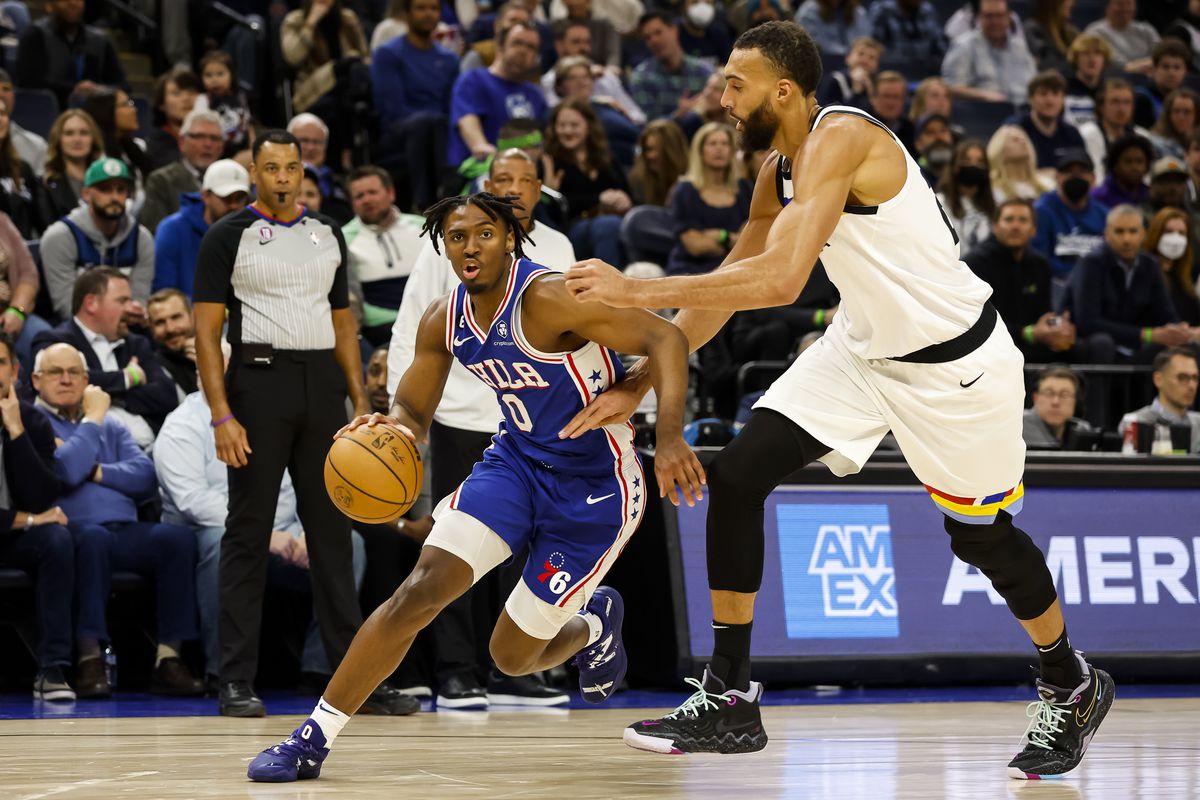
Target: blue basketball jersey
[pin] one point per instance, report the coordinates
(539, 392)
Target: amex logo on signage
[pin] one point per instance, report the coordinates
(839, 578)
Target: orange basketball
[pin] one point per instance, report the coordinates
(373, 474)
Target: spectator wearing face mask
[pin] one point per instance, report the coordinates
(1070, 222)
(703, 33)
(965, 192)
(1169, 240)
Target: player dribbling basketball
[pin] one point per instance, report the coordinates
(574, 502)
(915, 348)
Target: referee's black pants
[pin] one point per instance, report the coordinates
(290, 410)
(462, 630)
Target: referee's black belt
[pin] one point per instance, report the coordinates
(960, 346)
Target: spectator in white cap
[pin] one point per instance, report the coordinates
(226, 188)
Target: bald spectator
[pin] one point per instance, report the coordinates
(313, 134)
(105, 479)
(203, 143)
(1118, 290)
(1131, 39)
(990, 62)
(60, 53)
(669, 82)
(485, 98)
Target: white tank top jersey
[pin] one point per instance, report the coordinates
(896, 266)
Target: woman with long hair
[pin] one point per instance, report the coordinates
(19, 283)
(834, 24)
(175, 95)
(965, 192)
(1176, 123)
(75, 142)
(1049, 34)
(596, 192)
(1169, 239)
(20, 190)
(710, 204)
(324, 42)
(1012, 166)
(932, 96)
(116, 116)
(662, 157)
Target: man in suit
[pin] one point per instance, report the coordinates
(121, 363)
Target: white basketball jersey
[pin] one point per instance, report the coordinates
(896, 266)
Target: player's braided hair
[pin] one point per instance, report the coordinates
(497, 208)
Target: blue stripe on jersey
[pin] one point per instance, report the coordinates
(539, 392)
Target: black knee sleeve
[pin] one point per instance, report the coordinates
(1010, 560)
(766, 451)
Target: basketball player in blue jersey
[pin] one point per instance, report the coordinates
(573, 502)
(915, 348)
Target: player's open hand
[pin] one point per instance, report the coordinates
(611, 407)
(676, 465)
(594, 281)
(371, 420)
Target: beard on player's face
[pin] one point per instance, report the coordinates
(759, 129)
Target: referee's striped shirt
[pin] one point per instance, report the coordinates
(279, 279)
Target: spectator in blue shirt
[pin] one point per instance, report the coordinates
(910, 31)
(413, 74)
(669, 82)
(34, 537)
(485, 98)
(834, 25)
(106, 478)
(225, 189)
(1070, 223)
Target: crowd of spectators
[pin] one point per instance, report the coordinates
(1064, 150)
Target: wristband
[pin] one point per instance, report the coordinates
(216, 423)
(134, 380)
(1148, 335)
(723, 237)
(819, 318)
(28, 521)
(1027, 332)
(16, 311)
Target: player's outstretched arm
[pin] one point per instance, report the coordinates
(823, 176)
(550, 312)
(420, 388)
(699, 325)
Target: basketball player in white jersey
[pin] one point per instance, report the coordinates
(916, 348)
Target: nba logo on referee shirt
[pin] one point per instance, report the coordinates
(839, 579)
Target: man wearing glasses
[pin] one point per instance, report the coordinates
(203, 143)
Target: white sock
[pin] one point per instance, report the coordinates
(330, 720)
(595, 627)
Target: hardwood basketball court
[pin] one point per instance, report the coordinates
(1146, 748)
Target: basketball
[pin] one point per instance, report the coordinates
(373, 473)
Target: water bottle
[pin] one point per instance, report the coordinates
(110, 665)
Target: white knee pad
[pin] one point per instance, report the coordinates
(535, 616)
(462, 535)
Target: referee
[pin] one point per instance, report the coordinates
(280, 270)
